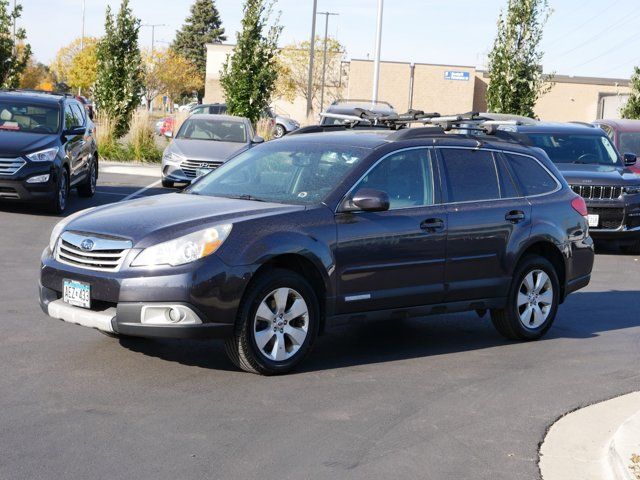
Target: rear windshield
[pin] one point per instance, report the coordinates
(29, 118)
(213, 129)
(580, 149)
(630, 143)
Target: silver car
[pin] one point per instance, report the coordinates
(202, 144)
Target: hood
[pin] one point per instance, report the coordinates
(578, 174)
(21, 143)
(206, 149)
(151, 220)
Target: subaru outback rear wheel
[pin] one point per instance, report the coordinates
(532, 303)
(277, 324)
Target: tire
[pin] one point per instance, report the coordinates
(61, 199)
(88, 188)
(256, 338)
(511, 322)
(633, 249)
(167, 183)
(279, 131)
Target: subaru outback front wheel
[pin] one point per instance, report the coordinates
(277, 323)
(532, 303)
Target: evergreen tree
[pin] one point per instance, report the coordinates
(201, 27)
(118, 87)
(632, 108)
(14, 57)
(249, 75)
(516, 79)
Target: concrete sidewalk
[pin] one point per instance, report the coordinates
(594, 443)
(132, 168)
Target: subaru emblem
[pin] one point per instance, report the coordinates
(87, 245)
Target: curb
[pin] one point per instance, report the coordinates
(131, 168)
(592, 443)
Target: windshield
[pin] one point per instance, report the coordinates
(29, 118)
(582, 149)
(282, 173)
(213, 129)
(630, 143)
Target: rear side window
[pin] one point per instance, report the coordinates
(70, 117)
(78, 112)
(533, 178)
(471, 175)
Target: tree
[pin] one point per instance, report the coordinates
(14, 56)
(632, 108)
(35, 75)
(516, 79)
(293, 71)
(75, 66)
(203, 26)
(249, 75)
(118, 86)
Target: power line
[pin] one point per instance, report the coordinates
(612, 49)
(586, 22)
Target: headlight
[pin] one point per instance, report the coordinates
(185, 249)
(173, 157)
(60, 226)
(632, 189)
(48, 155)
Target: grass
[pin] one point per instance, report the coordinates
(138, 145)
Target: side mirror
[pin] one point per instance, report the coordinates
(370, 200)
(257, 139)
(168, 133)
(74, 131)
(630, 159)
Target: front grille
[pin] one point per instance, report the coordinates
(610, 218)
(9, 166)
(106, 254)
(597, 192)
(8, 192)
(189, 167)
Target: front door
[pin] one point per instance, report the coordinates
(395, 258)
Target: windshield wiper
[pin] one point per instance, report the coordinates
(246, 197)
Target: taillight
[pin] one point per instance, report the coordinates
(580, 206)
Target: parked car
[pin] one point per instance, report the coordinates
(625, 135)
(47, 147)
(203, 143)
(313, 230)
(351, 107)
(284, 125)
(187, 106)
(596, 171)
(212, 108)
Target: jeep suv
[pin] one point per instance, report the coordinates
(317, 229)
(596, 171)
(47, 147)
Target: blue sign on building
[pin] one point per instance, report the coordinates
(457, 76)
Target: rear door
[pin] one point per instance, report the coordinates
(393, 259)
(487, 217)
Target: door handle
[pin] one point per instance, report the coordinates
(515, 216)
(432, 225)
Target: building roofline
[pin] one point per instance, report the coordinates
(415, 63)
(611, 82)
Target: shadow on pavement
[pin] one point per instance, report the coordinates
(584, 315)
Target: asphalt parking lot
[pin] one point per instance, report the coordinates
(434, 398)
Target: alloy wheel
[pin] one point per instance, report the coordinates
(281, 324)
(535, 299)
(63, 192)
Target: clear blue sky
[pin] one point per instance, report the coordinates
(583, 37)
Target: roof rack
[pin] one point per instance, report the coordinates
(361, 100)
(585, 124)
(33, 90)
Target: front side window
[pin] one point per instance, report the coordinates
(70, 118)
(406, 176)
(214, 130)
(579, 149)
(471, 175)
(630, 143)
(29, 118)
(282, 173)
(533, 177)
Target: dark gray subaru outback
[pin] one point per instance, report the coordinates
(316, 229)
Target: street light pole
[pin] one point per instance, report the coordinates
(15, 50)
(324, 59)
(312, 52)
(376, 65)
(153, 32)
(82, 35)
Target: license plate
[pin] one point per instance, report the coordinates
(202, 171)
(594, 220)
(76, 293)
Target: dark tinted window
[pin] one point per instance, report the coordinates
(78, 111)
(405, 176)
(533, 178)
(581, 149)
(70, 117)
(471, 175)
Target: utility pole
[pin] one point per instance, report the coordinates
(312, 52)
(153, 32)
(15, 50)
(324, 60)
(376, 64)
(82, 35)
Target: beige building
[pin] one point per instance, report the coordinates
(446, 89)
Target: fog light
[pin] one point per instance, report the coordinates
(39, 179)
(167, 314)
(175, 315)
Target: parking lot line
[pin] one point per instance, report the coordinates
(141, 191)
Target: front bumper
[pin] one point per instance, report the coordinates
(15, 187)
(175, 174)
(619, 219)
(208, 289)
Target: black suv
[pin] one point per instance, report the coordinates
(314, 230)
(47, 146)
(596, 171)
